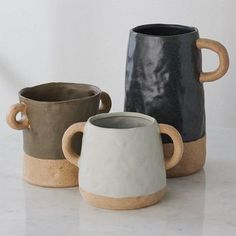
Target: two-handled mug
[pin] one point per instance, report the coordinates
(47, 111)
(121, 161)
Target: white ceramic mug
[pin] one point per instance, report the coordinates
(121, 162)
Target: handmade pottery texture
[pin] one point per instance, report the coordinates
(48, 110)
(164, 80)
(121, 163)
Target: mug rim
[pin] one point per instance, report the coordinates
(151, 120)
(191, 30)
(96, 89)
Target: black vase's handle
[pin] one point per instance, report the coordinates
(223, 59)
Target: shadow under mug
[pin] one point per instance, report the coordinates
(121, 162)
(47, 111)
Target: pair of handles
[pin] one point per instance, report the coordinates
(73, 157)
(24, 122)
(223, 59)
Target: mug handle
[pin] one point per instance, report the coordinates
(223, 59)
(177, 142)
(23, 123)
(106, 102)
(69, 154)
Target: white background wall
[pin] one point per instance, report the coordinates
(86, 41)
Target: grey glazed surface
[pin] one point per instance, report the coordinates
(51, 109)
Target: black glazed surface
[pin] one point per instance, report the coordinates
(162, 78)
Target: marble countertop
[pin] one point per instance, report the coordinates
(201, 204)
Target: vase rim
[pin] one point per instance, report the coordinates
(164, 30)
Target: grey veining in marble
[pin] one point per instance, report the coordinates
(201, 204)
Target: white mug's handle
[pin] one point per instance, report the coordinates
(69, 153)
(178, 145)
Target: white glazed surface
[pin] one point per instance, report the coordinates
(122, 162)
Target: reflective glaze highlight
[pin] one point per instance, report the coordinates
(162, 77)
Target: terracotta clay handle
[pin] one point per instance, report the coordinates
(106, 102)
(11, 116)
(70, 155)
(178, 145)
(223, 59)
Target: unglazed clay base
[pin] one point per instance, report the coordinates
(49, 173)
(193, 158)
(126, 203)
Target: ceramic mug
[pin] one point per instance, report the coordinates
(47, 111)
(121, 162)
(164, 79)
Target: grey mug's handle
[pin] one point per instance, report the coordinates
(23, 123)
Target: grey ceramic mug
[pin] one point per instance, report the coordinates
(47, 111)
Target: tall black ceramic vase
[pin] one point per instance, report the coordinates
(164, 79)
